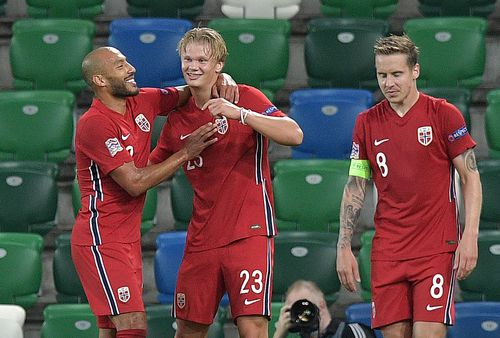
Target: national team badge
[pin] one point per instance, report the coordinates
(123, 294)
(143, 123)
(113, 146)
(222, 125)
(181, 300)
(425, 135)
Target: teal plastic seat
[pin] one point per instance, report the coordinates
(456, 7)
(459, 97)
(490, 180)
(492, 123)
(181, 197)
(441, 40)
(36, 125)
(29, 193)
(185, 9)
(260, 9)
(2, 6)
(339, 52)
(258, 51)
(308, 193)
(364, 264)
(379, 9)
(21, 268)
(77, 9)
(48, 53)
(68, 320)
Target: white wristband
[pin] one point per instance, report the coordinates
(243, 115)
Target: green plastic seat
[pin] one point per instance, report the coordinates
(364, 264)
(338, 52)
(48, 53)
(483, 284)
(490, 179)
(162, 324)
(68, 320)
(148, 212)
(258, 51)
(181, 197)
(305, 255)
(2, 6)
(492, 123)
(452, 50)
(20, 268)
(157, 127)
(308, 193)
(379, 9)
(456, 7)
(66, 281)
(77, 9)
(44, 116)
(185, 9)
(460, 97)
(29, 192)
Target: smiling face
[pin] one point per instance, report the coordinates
(119, 75)
(199, 67)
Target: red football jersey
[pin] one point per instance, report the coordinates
(104, 141)
(411, 163)
(231, 179)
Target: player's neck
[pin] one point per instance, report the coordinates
(117, 104)
(201, 95)
(401, 108)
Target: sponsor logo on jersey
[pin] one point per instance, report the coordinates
(424, 135)
(143, 123)
(113, 146)
(125, 137)
(181, 300)
(459, 133)
(379, 142)
(432, 308)
(123, 294)
(222, 125)
(250, 302)
(270, 110)
(355, 151)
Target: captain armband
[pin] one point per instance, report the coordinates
(360, 168)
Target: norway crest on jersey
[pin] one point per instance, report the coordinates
(425, 135)
(222, 125)
(143, 123)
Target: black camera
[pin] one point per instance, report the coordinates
(305, 317)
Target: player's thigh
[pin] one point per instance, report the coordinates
(248, 275)
(398, 330)
(130, 320)
(188, 329)
(429, 330)
(252, 326)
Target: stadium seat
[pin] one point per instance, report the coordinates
(460, 97)
(260, 9)
(10, 328)
(158, 124)
(307, 194)
(77, 9)
(476, 319)
(148, 212)
(440, 40)
(68, 320)
(490, 178)
(13, 312)
(492, 123)
(181, 197)
(29, 193)
(151, 47)
(162, 324)
(258, 51)
(364, 263)
(305, 255)
(186, 9)
(456, 7)
(48, 53)
(2, 6)
(21, 268)
(483, 284)
(327, 118)
(66, 281)
(361, 313)
(36, 125)
(380, 9)
(339, 52)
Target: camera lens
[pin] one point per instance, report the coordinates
(304, 316)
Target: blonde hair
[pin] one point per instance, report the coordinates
(309, 286)
(397, 44)
(207, 36)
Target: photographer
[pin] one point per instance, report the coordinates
(322, 324)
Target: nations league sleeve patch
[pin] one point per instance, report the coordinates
(459, 133)
(270, 110)
(113, 146)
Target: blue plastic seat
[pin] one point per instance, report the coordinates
(476, 319)
(327, 118)
(361, 313)
(151, 47)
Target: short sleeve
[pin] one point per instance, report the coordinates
(261, 104)
(358, 150)
(456, 135)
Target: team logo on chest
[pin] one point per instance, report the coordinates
(222, 125)
(424, 135)
(143, 123)
(123, 294)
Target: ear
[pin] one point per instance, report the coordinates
(219, 66)
(99, 80)
(416, 71)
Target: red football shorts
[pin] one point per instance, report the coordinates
(111, 275)
(243, 269)
(420, 289)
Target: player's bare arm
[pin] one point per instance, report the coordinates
(137, 180)
(282, 130)
(470, 182)
(350, 209)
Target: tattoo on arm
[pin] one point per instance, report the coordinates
(470, 160)
(352, 202)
